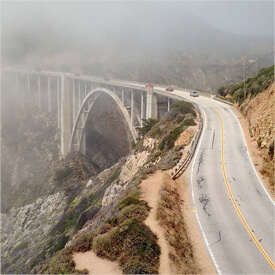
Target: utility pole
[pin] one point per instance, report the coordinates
(244, 77)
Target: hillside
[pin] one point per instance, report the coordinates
(258, 109)
(102, 212)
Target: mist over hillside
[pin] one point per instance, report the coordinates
(125, 40)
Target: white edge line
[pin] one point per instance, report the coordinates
(250, 157)
(197, 216)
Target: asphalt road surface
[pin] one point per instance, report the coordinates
(234, 211)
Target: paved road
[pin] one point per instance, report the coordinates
(239, 234)
(234, 212)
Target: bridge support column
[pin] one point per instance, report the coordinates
(58, 102)
(39, 92)
(141, 109)
(132, 108)
(74, 105)
(151, 104)
(79, 95)
(66, 128)
(123, 98)
(49, 95)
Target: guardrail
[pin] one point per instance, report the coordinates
(182, 166)
(222, 100)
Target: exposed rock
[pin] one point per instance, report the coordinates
(133, 163)
(25, 229)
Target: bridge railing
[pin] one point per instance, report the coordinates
(181, 167)
(222, 100)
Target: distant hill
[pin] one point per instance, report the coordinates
(180, 49)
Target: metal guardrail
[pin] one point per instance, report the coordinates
(221, 100)
(182, 166)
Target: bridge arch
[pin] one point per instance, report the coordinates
(78, 131)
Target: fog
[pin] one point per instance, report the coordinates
(117, 36)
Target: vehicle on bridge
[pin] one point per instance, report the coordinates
(169, 89)
(149, 86)
(194, 93)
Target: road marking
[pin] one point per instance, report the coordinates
(255, 171)
(248, 229)
(193, 199)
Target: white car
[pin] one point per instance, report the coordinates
(194, 93)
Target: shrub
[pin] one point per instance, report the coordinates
(184, 107)
(62, 173)
(60, 243)
(83, 242)
(107, 245)
(139, 212)
(130, 199)
(147, 126)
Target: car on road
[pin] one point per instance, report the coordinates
(169, 89)
(194, 93)
(149, 86)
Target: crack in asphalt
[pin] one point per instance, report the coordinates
(220, 238)
(240, 198)
(200, 161)
(199, 182)
(213, 140)
(204, 200)
(258, 192)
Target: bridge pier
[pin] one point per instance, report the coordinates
(151, 104)
(66, 128)
(49, 95)
(132, 108)
(58, 102)
(123, 98)
(39, 91)
(141, 109)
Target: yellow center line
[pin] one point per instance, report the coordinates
(248, 229)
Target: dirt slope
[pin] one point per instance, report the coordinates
(152, 188)
(257, 119)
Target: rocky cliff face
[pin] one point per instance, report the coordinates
(59, 200)
(260, 113)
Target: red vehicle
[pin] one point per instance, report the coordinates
(169, 89)
(149, 86)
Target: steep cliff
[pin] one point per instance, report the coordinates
(103, 212)
(260, 114)
(258, 109)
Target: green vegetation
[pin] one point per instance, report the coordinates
(24, 244)
(118, 232)
(254, 85)
(147, 125)
(132, 244)
(62, 173)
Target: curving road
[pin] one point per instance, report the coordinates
(233, 209)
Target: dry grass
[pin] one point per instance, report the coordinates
(170, 218)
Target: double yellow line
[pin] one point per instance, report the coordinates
(248, 229)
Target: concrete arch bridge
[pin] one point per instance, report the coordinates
(74, 97)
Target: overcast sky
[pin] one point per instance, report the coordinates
(240, 17)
